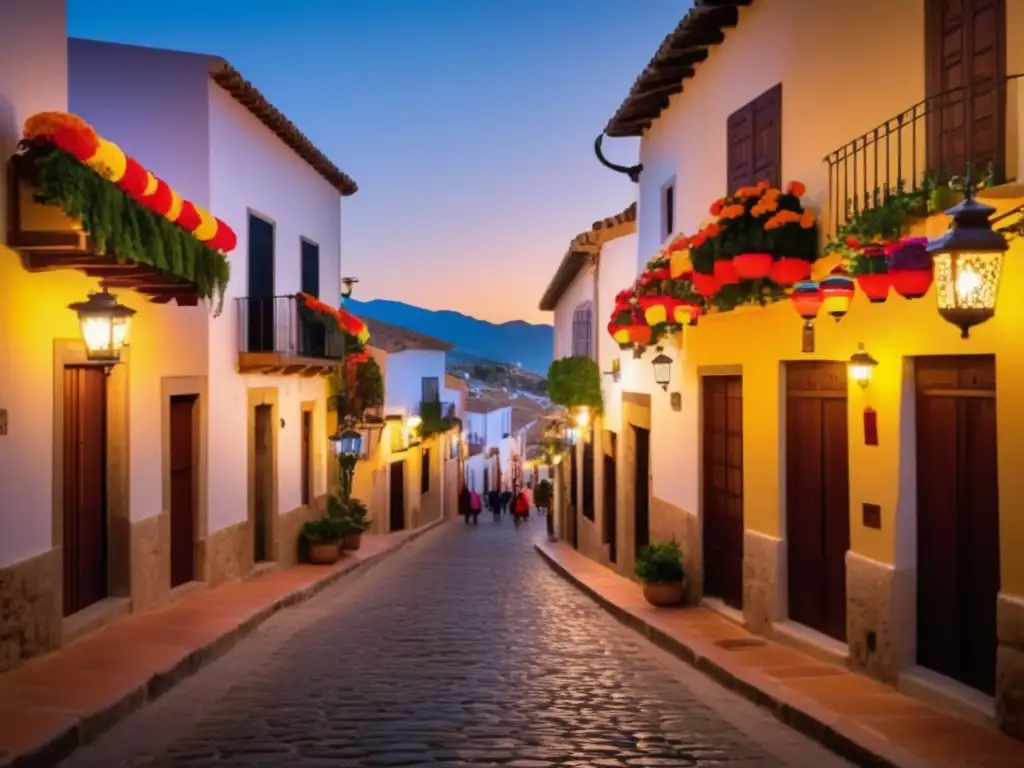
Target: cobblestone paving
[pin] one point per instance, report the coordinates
(463, 649)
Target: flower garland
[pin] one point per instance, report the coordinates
(73, 135)
(339, 321)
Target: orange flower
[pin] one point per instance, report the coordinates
(807, 220)
(732, 211)
(681, 243)
(698, 240)
(796, 188)
(782, 218)
(716, 207)
(767, 204)
(744, 192)
(762, 186)
(64, 130)
(712, 229)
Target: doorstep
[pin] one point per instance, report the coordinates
(861, 719)
(53, 704)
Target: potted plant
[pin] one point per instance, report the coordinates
(660, 568)
(357, 523)
(323, 536)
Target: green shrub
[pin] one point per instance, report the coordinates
(326, 530)
(660, 563)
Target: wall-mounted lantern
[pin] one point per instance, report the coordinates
(616, 371)
(347, 284)
(105, 327)
(582, 417)
(410, 427)
(862, 366)
(968, 262)
(346, 442)
(662, 369)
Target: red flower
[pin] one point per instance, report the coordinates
(853, 242)
(796, 188)
(134, 180)
(80, 144)
(716, 207)
(188, 219)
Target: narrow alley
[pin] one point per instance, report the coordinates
(466, 650)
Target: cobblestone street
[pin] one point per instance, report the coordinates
(463, 649)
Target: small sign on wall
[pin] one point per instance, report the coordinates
(676, 401)
(870, 426)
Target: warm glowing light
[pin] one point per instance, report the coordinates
(967, 282)
(583, 417)
(861, 366)
(413, 422)
(104, 325)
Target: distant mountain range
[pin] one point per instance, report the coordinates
(516, 342)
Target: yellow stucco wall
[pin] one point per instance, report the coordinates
(759, 341)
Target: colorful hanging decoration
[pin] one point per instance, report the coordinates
(807, 300)
(910, 267)
(337, 320)
(73, 135)
(837, 293)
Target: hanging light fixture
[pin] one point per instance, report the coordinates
(968, 262)
(806, 298)
(836, 293)
(662, 369)
(346, 442)
(104, 325)
(861, 366)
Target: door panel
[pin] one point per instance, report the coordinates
(958, 518)
(396, 472)
(183, 489)
(263, 473)
(610, 506)
(642, 500)
(84, 504)
(723, 488)
(306, 468)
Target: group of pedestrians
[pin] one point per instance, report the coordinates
(517, 503)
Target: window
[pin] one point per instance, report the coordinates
(668, 209)
(583, 330)
(310, 268)
(431, 388)
(425, 472)
(754, 142)
(260, 302)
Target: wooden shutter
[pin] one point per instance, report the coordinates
(754, 142)
(310, 267)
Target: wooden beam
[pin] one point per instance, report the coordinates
(662, 90)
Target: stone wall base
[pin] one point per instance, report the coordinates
(150, 562)
(670, 522)
(30, 608)
(1010, 664)
(764, 581)
(880, 617)
(225, 555)
(288, 533)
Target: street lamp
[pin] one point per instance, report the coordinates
(104, 327)
(347, 445)
(662, 369)
(861, 366)
(968, 262)
(347, 284)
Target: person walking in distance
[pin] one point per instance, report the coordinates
(465, 497)
(520, 509)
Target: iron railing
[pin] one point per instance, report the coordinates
(276, 324)
(930, 143)
(435, 410)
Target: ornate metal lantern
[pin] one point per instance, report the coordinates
(968, 263)
(861, 366)
(662, 369)
(105, 326)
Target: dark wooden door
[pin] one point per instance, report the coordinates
(183, 489)
(642, 496)
(965, 45)
(610, 501)
(260, 302)
(573, 495)
(307, 457)
(958, 518)
(262, 478)
(396, 472)
(817, 495)
(723, 488)
(85, 493)
(588, 479)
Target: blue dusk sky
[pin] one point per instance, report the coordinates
(468, 124)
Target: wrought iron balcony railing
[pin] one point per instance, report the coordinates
(274, 324)
(435, 410)
(927, 145)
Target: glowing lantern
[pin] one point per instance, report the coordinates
(836, 293)
(662, 369)
(806, 298)
(861, 366)
(968, 264)
(104, 325)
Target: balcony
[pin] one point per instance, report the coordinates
(275, 337)
(931, 143)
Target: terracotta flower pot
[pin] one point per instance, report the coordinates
(753, 266)
(788, 270)
(875, 287)
(705, 285)
(664, 593)
(725, 272)
(323, 552)
(911, 283)
(352, 542)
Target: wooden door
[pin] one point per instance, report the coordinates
(262, 478)
(817, 495)
(588, 479)
(957, 518)
(307, 457)
(723, 488)
(965, 44)
(396, 473)
(610, 501)
(261, 285)
(183, 489)
(573, 496)
(641, 488)
(85, 494)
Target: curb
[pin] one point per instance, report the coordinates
(59, 745)
(800, 719)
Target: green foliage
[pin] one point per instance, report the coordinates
(575, 382)
(326, 530)
(542, 494)
(370, 384)
(353, 391)
(120, 226)
(660, 563)
(437, 419)
(357, 515)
